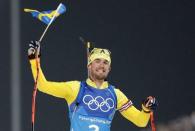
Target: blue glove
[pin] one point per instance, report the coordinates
(150, 104)
(33, 48)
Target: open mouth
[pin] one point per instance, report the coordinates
(100, 71)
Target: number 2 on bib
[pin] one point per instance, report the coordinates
(95, 127)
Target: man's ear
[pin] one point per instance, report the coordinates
(109, 68)
(89, 66)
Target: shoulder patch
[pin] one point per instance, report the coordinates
(126, 105)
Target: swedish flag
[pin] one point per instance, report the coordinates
(46, 16)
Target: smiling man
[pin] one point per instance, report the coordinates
(92, 103)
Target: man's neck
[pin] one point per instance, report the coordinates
(97, 82)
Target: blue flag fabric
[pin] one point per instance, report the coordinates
(46, 16)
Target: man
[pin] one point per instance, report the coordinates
(92, 103)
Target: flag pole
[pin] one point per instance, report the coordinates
(37, 66)
(50, 22)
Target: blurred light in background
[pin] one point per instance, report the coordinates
(15, 66)
(185, 123)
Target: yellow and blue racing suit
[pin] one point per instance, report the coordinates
(91, 107)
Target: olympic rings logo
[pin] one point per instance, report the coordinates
(98, 102)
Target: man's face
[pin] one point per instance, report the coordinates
(99, 69)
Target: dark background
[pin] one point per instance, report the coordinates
(5, 67)
(152, 45)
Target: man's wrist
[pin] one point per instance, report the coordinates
(145, 109)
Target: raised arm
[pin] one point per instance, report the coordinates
(66, 90)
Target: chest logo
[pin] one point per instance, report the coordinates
(98, 102)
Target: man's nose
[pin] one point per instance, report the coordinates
(102, 64)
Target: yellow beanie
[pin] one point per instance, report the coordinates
(99, 53)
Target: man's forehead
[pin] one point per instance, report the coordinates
(100, 59)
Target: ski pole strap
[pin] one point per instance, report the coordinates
(34, 95)
(152, 121)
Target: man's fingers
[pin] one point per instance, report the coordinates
(31, 51)
(150, 101)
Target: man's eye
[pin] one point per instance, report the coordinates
(97, 61)
(106, 62)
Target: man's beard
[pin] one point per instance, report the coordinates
(99, 77)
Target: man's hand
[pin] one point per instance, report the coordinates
(150, 104)
(34, 48)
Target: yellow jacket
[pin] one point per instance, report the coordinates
(69, 90)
